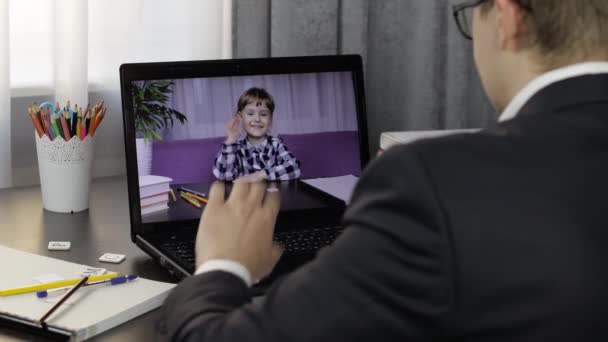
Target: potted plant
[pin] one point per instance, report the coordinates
(151, 115)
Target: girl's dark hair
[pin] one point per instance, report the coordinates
(258, 96)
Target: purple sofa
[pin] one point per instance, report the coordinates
(326, 154)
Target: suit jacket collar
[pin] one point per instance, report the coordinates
(573, 91)
(575, 84)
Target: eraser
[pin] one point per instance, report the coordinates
(113, 258)
(92, 271)
(59, 245)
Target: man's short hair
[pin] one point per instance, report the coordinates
(562, 31)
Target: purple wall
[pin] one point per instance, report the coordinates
(304, 103)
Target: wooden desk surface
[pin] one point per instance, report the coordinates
(26, 226)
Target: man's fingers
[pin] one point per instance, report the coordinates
(217, 193)
(256, 193)
(240, 190)
(272, 201)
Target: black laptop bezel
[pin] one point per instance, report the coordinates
(224, 68)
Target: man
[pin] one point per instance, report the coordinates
(495, 236)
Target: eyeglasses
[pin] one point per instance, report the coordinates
(463, 14)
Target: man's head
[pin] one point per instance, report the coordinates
(517, 40)
(256, 108)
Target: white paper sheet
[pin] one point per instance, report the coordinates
(340, 187)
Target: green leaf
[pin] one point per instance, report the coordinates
(151, 111)
(156, 135)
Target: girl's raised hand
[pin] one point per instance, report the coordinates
(233, 130)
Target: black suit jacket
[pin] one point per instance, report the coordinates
(495, 236)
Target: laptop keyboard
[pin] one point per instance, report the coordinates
(182, 250)
(309, 240)
(306, 241)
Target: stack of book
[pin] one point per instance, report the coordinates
(154, 193)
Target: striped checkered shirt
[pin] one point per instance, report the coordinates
(242, 158)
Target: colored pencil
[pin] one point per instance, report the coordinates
(190, 200)
(66, 123)
(37, 125)
(199, 198)
(66, 130)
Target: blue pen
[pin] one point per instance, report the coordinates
(112, 281)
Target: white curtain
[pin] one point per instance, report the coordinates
(55, 50)
(6, 174)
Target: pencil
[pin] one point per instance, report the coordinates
(47, 122)
(36, 125)
(190, 200)
(52, 285)
(74, 120)
(78, 128)
(97, 121)
(173, 195)
(66, 130)
(40, 114)
(63, 299)
(35, 121)
(202, 199)
(92, 125)
(55, 126)
(193, 193)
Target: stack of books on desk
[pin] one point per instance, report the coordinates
(154, 193)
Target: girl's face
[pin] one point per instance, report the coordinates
(256, 119)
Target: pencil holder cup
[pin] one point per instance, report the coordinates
(65, 172)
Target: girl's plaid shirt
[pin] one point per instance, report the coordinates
(242, 158)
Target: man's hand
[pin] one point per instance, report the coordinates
(240, 228)
(257, 176)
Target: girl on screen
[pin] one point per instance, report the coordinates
(258, 155)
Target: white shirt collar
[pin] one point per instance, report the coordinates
(543, 81)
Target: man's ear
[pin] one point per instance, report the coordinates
(512, 26)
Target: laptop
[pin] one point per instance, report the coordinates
(176, 116)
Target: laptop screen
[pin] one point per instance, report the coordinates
(285, 127)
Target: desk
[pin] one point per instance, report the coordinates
(294, 197)
(24, 225)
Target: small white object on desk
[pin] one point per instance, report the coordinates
(112, 258)
(92, 271)
(59, 245)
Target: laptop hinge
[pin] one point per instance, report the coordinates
(162, 259)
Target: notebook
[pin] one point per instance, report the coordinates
(94, 309)
(388, 139)
(150, 185)
(318, 125)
